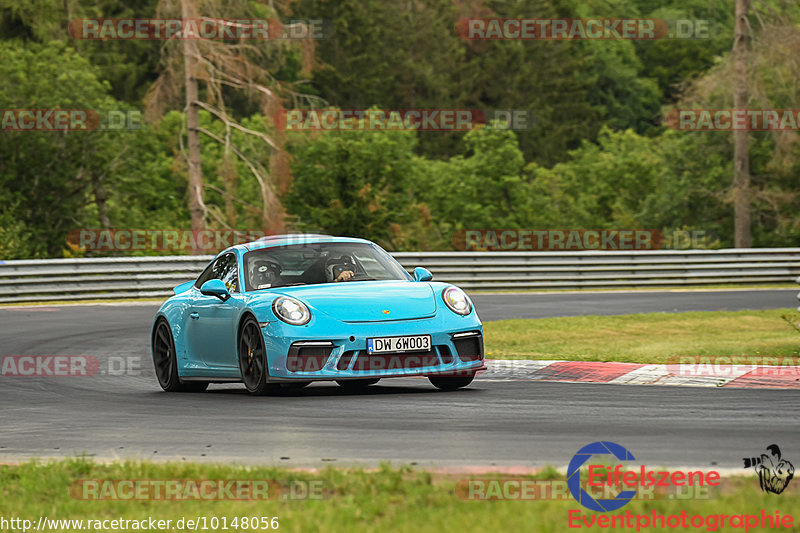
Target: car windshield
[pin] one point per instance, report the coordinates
(309, 264)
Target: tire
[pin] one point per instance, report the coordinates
(253, 360)
(450, 383)
(357, 384)
(165, 362)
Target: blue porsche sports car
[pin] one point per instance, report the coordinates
(287, 310)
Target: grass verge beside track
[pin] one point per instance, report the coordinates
(389, 499)
(649, 338)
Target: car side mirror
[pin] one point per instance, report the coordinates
(215, 287)
(422, 274)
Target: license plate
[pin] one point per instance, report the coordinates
(410, 343)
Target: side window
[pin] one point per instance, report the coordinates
(228, 272)
(223, 268)
(205, 276)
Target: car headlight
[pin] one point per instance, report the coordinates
(457, 301)
(291, 310)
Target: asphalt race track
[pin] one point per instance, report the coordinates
(543, 305)
(121, 411)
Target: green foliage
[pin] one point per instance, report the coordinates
(49, 178)
(128, 65)
(484, 189)
(407, 55)
(631, 181)
(596, 154)
(142, 186)
(674, 62)
(46, 174)
(356, 183)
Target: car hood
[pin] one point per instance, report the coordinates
(368, 301)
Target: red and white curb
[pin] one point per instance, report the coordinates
(733, 376)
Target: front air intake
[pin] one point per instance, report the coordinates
(308, 356)
(469, 346)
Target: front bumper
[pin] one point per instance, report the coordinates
(457, 349)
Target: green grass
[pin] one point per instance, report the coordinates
(387, 499)
(646, 338)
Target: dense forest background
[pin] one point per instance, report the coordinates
(597, 153)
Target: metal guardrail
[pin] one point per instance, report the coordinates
(146, 277)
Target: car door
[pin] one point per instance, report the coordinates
(212, 321)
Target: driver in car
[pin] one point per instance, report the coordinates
(266, 274)
(344, 276)
(341, 269)
(328, 270)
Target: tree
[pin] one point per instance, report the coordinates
(401, 55)
(769, 196)
(47, 176)
(129, 66)
(484, 189)
(741, 158)
(190, 59)
(630, 181)
(224, 66)
(672, 62)
(356, 183)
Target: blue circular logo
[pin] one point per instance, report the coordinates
(574, 476)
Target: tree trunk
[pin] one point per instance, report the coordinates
(196, 206)
(741, 158)
(101, 202)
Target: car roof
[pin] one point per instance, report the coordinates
(294, 238)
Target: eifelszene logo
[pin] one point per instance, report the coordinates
(574, 476)
(774, 472)
(617, 485)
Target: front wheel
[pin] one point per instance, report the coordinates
(253, 360)
(450, 383)
(165, 362)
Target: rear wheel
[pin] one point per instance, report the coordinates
(165, 362)
(357, 384)
(450, 383)
(253, 360)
